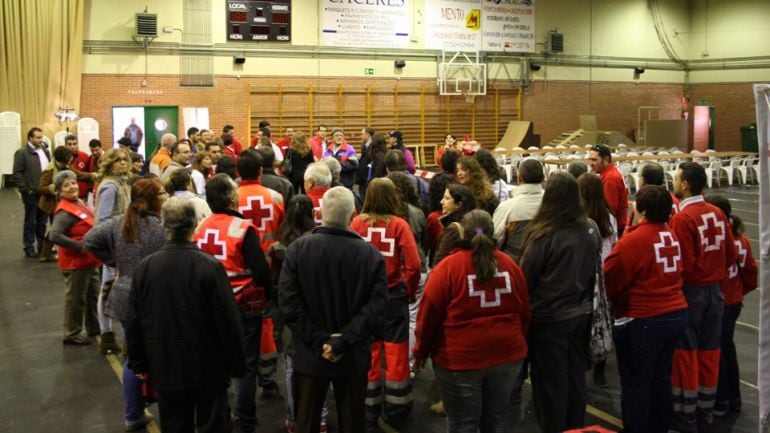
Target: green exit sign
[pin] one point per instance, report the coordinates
(368, 71)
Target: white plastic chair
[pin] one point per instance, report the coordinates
(731, 169)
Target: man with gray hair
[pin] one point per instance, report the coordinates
(343, 278)
(183, 327)
(318, 180)
(162, 157)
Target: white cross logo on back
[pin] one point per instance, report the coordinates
(709, 238)
(382, 241)
(260, 215)
(211, 244)
(482, 294)
(742, 255)
(664, 250)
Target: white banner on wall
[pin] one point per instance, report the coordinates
(508, 25)
(366, 24)
(453, 25)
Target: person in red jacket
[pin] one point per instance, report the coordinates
(708, 250)
(643, 276)
(473, 291)
(615, 190)
(318, 142)
(264, 208)
(285, 142)
(317, 181)
(392, 236)
(741, 279)
(233, 240)
(72, 219)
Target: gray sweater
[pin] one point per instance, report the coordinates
(107, 243)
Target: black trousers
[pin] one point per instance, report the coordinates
(309, 396)
(201, 408)
(558, 355)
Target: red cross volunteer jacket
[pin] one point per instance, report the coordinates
(742, 275)
(706, 240)
(395, 241)
(467, 325)
(643, 273)
(263, 207)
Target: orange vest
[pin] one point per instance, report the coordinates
(222, 235)
(70, 259)
(264, 208)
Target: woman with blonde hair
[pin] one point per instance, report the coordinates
(300, 156)
(113, 195)
(392, 236)
(470, 174)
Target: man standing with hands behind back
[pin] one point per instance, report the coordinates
(343, 278)
(28, 163)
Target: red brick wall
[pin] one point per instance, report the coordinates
(735, 107)
(553, 106)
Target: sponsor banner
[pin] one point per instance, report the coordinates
(365, 23)
(453, 25)
(508, 25)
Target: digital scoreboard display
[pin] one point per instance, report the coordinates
(249, 20)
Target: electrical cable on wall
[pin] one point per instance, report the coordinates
(657, 22)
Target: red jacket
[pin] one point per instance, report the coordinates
(706, 239)
(316, 196)
(643, 273)
(465, 325)
(221, 236)
(317, 145)
(394, 239)
(742, 275)
(616, 193)
(70, 259)
(284, 144)
(263, 207)
(80, 163)
(434, 229)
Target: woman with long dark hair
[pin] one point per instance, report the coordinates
(741, 279)
(457, 201)
(470, 174)
(559, 260)
(299, 221)
(500, 187)
(201, 170)
(124, 241)
(475, 368)
(379, 225)
(592, 196)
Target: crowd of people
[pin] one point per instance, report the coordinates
(215, 257)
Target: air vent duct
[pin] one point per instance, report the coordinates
(146, 25)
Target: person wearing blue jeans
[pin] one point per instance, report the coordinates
(132, 396)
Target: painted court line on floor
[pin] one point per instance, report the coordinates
(117, 367)
(750, 385)
(747, 325)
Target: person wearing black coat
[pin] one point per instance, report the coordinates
(183, 328)
(343, 279)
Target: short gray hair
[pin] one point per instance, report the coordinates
(319, 173)
(179, 220)
(61, 176)
(334, 166)
(168, 140)
(337, 207)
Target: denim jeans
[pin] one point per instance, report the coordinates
(246, 386)
(478, 400)
(645, 350)
(132, 392)
(34, 222)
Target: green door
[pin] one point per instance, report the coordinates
(159, 121)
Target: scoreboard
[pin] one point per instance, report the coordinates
(249, 20)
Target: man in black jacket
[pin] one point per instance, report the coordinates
(343, 278)
(183, 328)
(28, 163)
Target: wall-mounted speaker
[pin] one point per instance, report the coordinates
(399, 63)
(239, 60)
